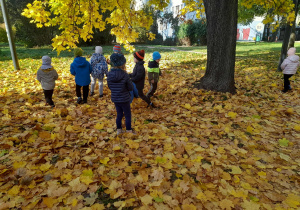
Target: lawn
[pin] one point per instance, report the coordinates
(198, 150)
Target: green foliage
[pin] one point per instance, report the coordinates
(3, 35)
(169, 41)
(246, 16)
(191, 33)
(168, 18)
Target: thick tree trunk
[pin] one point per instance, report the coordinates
(221, 45)
(286, 38)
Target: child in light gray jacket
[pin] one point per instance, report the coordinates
(47, 75)
(289, 67)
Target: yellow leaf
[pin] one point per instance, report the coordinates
(20, 164)
(110, 130)
(232, 114)
(284, 157)
(226, 204)
(235, 170)
(293, 200)
(250, 129)
(74, 202)
(105, 160)
(226, 176)
(99, 126)
(49, 202)
(45, 167)
(146, 199)
(98, 206)
(187, 106)
(250, 205)
(69, 128)
(246, 186)
(262, 174)
(14, 190)
(297, 127)
(188, 207)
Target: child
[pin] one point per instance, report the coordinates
(289, 67)
(120, 84)
(47, 75)
(81, 69)
(100, 68)
(116, 49)
(138, 75)
(153, 73)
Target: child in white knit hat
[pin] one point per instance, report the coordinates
(47, 75)
(100, 68)
(289, 67)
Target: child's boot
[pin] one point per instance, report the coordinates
(152, 105)
(119, 131)
(79, 100)
(92, 93)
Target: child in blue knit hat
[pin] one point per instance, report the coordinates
(153, 73)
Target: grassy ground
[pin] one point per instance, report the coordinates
(198, 150)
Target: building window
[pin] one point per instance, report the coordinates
(177, 9)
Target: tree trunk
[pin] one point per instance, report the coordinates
(286, 38)
(221, 18)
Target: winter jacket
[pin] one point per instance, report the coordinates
(81, 69)
(290, 64)
(119, 84)
(99, 66)
(138, 75)
(134, 92)
(153, 71)
(47, 78)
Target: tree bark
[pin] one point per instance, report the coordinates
(286, 38)
(221, 18)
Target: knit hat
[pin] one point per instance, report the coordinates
(117, 59)
(78, 52)
(117, 48)
(139, 55)
(156, 55)
(291, 51)
(98, 49)
(46, 62)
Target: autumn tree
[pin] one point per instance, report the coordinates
(76, 18)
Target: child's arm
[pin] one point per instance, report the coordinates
(284, 64)
(55, 75)
(129, 84)
(72, 70)
(38, 77)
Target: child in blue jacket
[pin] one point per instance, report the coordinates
(120, 84)
(81, 69)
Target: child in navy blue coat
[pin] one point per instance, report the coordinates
(81, 69)
(120, 84)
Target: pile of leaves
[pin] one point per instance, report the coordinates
(198, 150)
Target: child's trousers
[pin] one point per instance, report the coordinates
(48, 96)
(85, 91)
(123, 109)
(287, 85)
(93, 84)
(153, 87)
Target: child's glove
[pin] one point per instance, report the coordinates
(152, 81)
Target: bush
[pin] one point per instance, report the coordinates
(157, 41)
(191, 33)
(3, 35)
(170, 41)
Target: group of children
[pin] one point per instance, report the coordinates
(124, 87)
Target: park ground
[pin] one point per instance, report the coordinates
(198, 150)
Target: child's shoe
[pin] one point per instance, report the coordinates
(130, 131)
(84, 101)
(92, 93)
(119, 131)
(101, 96)
(79, 100)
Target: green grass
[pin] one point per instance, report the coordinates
(266, 50)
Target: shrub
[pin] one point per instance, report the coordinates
(157, 41)
(3, 35)
(191, 33)
(170, 41)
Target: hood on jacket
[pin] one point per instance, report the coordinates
(140, 62)
(294, 58)
(116, 75)
(80, 62)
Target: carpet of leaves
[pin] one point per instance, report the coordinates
(198, 150)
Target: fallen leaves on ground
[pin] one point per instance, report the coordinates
(198, 150)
